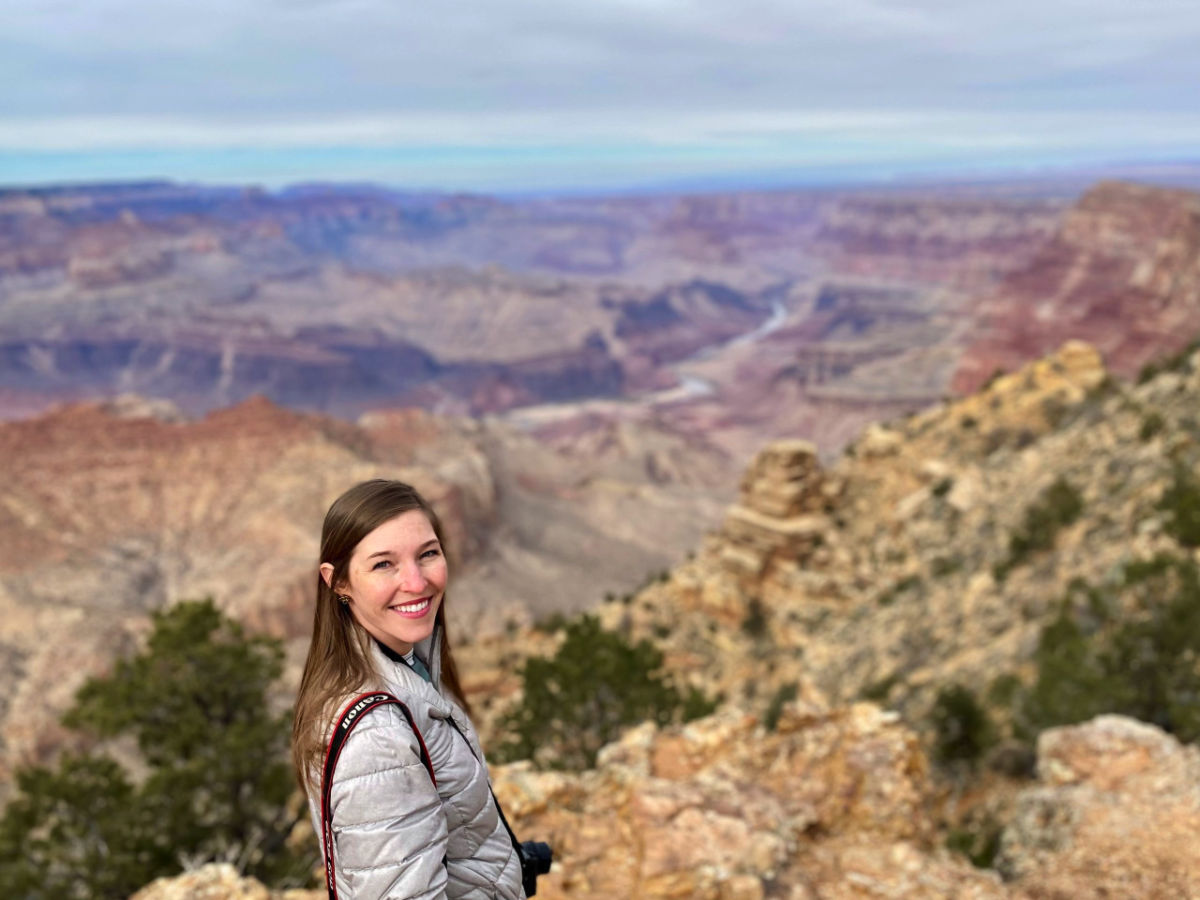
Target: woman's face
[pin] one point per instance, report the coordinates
(396, 579)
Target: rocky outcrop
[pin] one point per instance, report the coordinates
(821, 796)
(1115, 814)
(878, 574)
(833, 804)
(782, 511)
(1122, 272)
(217, 881)
(829, 804)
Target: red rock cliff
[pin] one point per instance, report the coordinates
(1122, 273)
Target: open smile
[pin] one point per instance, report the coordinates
(413, 610)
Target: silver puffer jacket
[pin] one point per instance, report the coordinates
(395, 835)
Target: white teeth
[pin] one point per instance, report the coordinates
(412, 607)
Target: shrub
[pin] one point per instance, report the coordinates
(1176, 362)
(1145, 664)
(552, 624)
(941, 566)
(905, 584)
(754, 623)
(1181, 502)
(1058, 506)
(1152, 424)
(78, 832)
(1004, 689)
(582, 698)
(879, 691)
(216, 783)
(977, 841)
(697, 705)
(997, 374)
(784, 694)
(963, 731)
(1071, 685)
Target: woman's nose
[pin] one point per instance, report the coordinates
(412, 579)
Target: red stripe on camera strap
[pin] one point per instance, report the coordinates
(354, 711)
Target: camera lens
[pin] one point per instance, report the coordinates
(539, 855)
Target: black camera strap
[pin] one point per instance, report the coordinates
(357, 708)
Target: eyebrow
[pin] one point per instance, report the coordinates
(429, 543)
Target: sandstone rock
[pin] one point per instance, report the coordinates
(879, 441)
(1116, 815)
(780, 511)
(854, 869)
(719, 807)
(217, 881)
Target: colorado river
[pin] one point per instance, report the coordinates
(689, 387)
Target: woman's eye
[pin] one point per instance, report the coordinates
(432, 553)
(382, 564)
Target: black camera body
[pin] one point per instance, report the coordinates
(535, 860)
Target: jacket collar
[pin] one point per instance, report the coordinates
(398, 674)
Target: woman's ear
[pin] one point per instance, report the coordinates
(327, 574)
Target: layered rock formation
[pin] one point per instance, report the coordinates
(919, 296)
(320, 297)
(949, 238)
(335, 299)
(340, 299)
(1122, 272)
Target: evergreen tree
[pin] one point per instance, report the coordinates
(595, 686)
(963, 729)
(197, 702)
(77, 833)
(1136, 653)
(1071, 686)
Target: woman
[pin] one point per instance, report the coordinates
(380, 626)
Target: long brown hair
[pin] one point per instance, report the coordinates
(339, 661)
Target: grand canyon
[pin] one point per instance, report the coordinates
(189, 375)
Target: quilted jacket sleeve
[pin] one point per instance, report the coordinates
(389, 824)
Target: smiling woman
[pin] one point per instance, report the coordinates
(408, 802)
(395, 582)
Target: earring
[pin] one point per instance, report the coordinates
(344, 598)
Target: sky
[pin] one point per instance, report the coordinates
(530, 95)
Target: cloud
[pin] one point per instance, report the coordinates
(151, 57)
(733, 131)
(779, 78)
